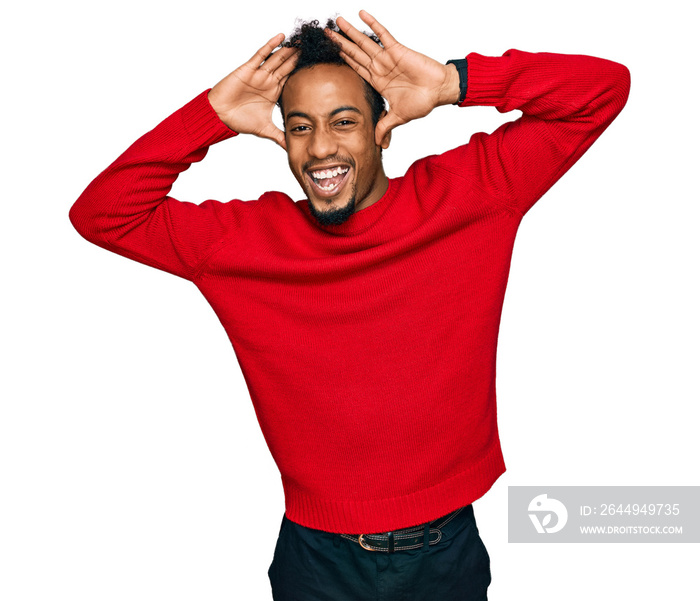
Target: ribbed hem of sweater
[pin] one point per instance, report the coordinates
(383, 515)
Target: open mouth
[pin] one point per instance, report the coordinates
(328, 182)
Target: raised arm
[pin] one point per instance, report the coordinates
(567, 102)
(127, 210)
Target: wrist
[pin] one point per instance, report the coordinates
(457, 90)
(215, 101)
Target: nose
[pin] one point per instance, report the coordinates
(322, 144)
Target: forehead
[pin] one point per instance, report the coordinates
(319, 90)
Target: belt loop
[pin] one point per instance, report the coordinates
(426, 538)
(390, 541)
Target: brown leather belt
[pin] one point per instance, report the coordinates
(406, 538)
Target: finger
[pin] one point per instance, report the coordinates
(280, 85)
(361, 70)
(368, 46)
(285, 69)
(259, 57)
(350, 49)
(382, 32)
(282, 62)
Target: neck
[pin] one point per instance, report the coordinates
(379, 188)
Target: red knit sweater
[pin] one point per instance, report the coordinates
(369, 348)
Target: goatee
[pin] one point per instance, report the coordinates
(334, 216)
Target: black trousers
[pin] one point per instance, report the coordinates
(312, 565)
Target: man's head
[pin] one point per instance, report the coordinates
(330, 114)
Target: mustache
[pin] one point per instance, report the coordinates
(336, 158)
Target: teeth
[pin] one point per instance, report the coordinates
(326, 173)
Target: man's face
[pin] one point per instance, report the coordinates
(330, 141)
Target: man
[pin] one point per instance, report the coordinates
(364, 317)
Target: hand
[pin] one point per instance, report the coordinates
(412, 83)
(245, 98)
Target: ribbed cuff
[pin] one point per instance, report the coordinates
(202, 123)
(488, 80)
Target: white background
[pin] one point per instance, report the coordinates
(131, 463)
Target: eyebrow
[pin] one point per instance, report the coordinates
(334, 112)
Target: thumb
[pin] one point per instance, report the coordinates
(385, 125)
(278, 136)
(275, 134)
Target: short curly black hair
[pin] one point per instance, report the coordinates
(316, 48)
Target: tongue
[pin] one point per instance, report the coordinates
(331, 181)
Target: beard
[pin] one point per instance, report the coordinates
(337, 215)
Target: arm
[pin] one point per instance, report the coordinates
(567, 102)
(127, 210)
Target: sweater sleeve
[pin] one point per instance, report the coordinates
(127, 210)
(567, 101)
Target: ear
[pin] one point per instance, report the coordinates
(386, 138)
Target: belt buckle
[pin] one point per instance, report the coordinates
(363, 544)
